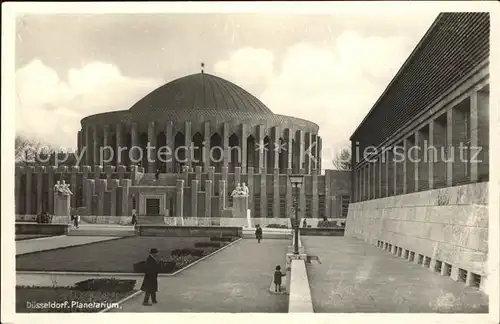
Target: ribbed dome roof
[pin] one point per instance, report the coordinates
(200, 91)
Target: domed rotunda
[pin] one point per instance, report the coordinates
(227, 126)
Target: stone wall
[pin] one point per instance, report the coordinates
(449, 225)
(186, 231)
(51, 229)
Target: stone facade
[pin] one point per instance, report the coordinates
(421, 193)
(117, 193)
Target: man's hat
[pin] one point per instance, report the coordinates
(153, 251)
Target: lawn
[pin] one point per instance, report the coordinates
(108, 256)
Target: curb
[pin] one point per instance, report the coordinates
(121, 301)
(41, 238)
(171, 275)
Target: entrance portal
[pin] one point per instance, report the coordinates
(153, 207)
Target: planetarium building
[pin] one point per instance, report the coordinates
(180, 151)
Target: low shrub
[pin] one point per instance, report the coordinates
(185, 252)
(276, 226)
(207, 244)
(166, 266)
(105, 285)
(324, 224)
(221, 238)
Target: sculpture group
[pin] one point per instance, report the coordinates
(62, 189)
(240, 191)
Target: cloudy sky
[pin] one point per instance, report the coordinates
(329, 69)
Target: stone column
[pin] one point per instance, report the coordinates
(89, 137)
(315, 198)
(198, 171)
(89, 194)
(179, 198)
(225, 144)
(152, 156)
(244, 148)
(119, 143)
(289, 148)
(307, 152)
(302, 199)
(328, 180)
(403, 164)
(194, 197)
(188, 139)
(301, 157)
(169, 134)
(96, 148)
(135, 144)
(263, 195)
(251, 191)
(237, 175)
(211, 177)
(276, 194)
(101, 189)
(224, 173)
(29, 190)
(74, 171)
(430, 156)
(417, 156)
(114, 183)
(450, 119)
(106, 140)
(126, 208)
(320, 151)
(84, 146)
(121, 172)
(206, 147)
(368, 180)
(208, 198)
(275, 145)
(260, 145)
(39, 188)
(222, 196)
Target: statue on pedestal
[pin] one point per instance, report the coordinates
(62, 189)
(240, 191)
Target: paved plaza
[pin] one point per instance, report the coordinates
(357, 277)
(233, 280)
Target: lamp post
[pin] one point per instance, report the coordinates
(296, 181)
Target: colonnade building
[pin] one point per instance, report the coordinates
(420, 156)
(200, 136)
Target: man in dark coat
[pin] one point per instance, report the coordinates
(150, 282)
(258, 233)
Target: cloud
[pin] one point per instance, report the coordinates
(50, 109)
(334, 86)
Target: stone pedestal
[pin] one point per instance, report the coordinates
(62, 206)
(240, 206)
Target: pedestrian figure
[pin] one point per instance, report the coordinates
(258, 233)
(134, 220)
(157, 174)
(150, 282)
(77, 220)
(304, 224)
(277, 278)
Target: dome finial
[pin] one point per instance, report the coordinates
(202, 66)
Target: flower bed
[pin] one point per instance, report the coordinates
(221, 238)
(325, 224)
(208, 244)
(105, 285)
(276, 226)
(185, 252)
